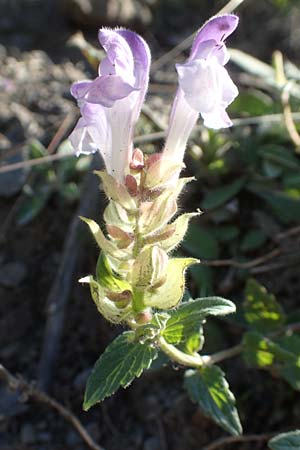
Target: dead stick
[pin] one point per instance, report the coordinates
(19, 384)
(60, 292)
(219, 443)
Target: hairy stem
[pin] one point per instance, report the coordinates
(178, 356)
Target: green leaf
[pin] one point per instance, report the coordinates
(203, 277)
(286, 441)
(33, 203)
(201, 243)
(219, 196)
(291, 372)
(281, 356)
(70, 192)
(284, 206)
(252, 240)
(279, 155)
(209, 388)
(171, 292)
(186, 320)
(225, 233)
(262, 311)
(122, 361)
(263, 352)
(253, 102)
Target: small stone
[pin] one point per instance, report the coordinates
(44, 436)
(12, 182)
(12, 274)
(72, 438)
(94, 430)
(9, 404)
(27, 434)
(152, 443)
(81, 378)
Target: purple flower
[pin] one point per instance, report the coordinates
(110, 105)
(204, 85)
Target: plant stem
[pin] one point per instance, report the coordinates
(220, 356)
(178, 356)
(207, 360)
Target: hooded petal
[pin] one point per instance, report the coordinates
(204, 86)
(119, 58)
(118, 92)
(217, 28)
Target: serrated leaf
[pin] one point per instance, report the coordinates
(209, 388)
(291, 372)
(263, 352)
(262, 311)
(186, 320)
(171, 292)
(218, 197)
(122, 361)
(33, 204)
(281, 356)
(286, 441)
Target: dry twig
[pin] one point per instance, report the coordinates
(30, 391)
(219, 443)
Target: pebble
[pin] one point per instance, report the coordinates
(9, 404)
(152, 443)
(72, 438)
(12, 182)
(27, 434)
(12, 274)
(81, 378)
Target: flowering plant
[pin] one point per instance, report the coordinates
(137, 283)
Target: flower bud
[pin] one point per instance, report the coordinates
(137, 162)
(149, 267)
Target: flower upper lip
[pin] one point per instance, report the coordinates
(111, 103)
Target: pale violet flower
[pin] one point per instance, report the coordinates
(110, 105)
(204, 85)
